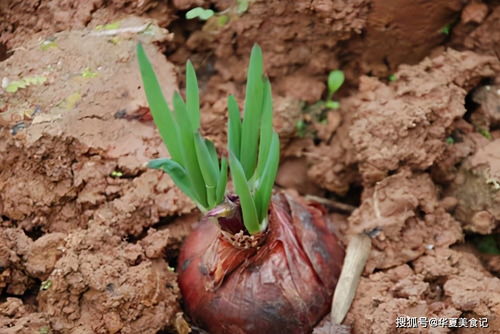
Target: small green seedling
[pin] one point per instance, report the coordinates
(446, 29)
(301, 128)
(335, 81)
(392, 77)
(15, 85)
(200, 13)
(48, 44)
(487, 244)
(44, 330)
(485, 133)
(87, 73)
(241, 6)
(450, 140)
(46, 285)
(194, 165)
(116, 174)
(109, 26)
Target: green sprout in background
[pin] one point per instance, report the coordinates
(200, 13)
(487, 244)
(46, 285)
(194, 165)
(446, 29)
(335, 81)
(318, 112)
(221, 18)
(15, 85)
(116, 174)
(485, 133)
(392, 77)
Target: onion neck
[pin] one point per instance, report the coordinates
(229, 218)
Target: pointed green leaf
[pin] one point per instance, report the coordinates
(176, 172)
(187, 141)
(213, 154)
(250, 218)
(335, 80)
(266, 180)
(162, 115)
(192, 96)
(208, 169)
(252, 114)
(234, 127)
(222, 181)
(266, 129)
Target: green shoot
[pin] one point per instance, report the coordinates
(335, 80)
(446, 29)
(487, 244)
(254, 146)
(392, 77)
(46, 285)
(301, 128)
(194, 166)
(450, 140)
(116, 174)
(200, 13)
(252, 114)
(241, 6)
(485, 133)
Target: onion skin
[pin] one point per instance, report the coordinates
(283, 286)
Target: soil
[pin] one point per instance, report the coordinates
(89, 237)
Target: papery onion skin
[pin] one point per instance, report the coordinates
(283, 286)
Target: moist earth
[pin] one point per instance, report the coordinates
(89, 237)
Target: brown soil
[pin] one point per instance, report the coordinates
(89, 238)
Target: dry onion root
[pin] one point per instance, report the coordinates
(283, 285)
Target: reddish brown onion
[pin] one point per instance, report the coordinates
(285, 285)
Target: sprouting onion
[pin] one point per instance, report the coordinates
(194, 165)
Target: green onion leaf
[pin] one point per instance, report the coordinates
(208, 169)
(252, 113)
(250, 218)
(213, 154)
(162, 115)
(188, 149)
(222, 181)
(192, 96)
(266, 129)
(176, 172)
(234, 127)
(266, 180)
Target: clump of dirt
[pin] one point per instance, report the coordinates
(294, 33)
(443, 283)
(91, 280)
(19, 318)
(404, 123)
(82, 154)
(477, 189)
(477, 29)
(76, 201)
(393, 28)
(104, 285)
(14, 248)
(22, 19)
(404, 212)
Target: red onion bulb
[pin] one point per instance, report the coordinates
(281, 281)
